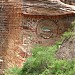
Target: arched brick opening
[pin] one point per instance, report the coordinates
(46, 28)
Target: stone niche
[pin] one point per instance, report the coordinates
(44, 31)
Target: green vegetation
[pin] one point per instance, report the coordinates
(68, 34)
(44, 62)
(40, 60)
(13, 71)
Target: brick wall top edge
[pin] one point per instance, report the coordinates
(48, 16)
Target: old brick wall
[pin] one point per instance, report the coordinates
(20, 32)
(25, 31)
(14, 39)
(10, 30)
(12, 49)
(3, 32)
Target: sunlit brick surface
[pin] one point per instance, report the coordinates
(10, 21)
(19, 31)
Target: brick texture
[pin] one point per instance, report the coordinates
(19, 32)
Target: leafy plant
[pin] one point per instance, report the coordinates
(43, 62)
(73, 26)
(68, 34)
(39, 62)
(13, 71)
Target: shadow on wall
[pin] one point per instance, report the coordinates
(71, 2)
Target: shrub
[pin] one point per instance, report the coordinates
(43, 62)
(40, 60)
(13, 71)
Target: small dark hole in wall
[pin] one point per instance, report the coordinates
(25, 27)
